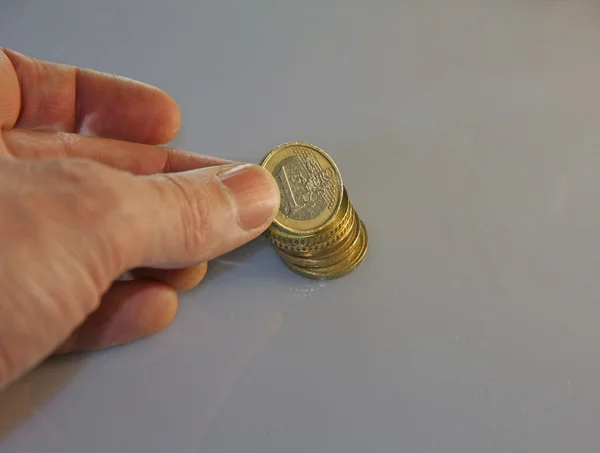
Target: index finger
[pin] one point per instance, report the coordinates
(135, 158)
(70, 99)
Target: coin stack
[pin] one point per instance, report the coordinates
(317, 233)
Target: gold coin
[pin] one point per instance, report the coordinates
(319, 244)
(317, 249)
(317, 233)
(335, 255)
(294, 242)
(340, 269)
(311, 188)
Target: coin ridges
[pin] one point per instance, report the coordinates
(313, 244)
(336, 255)
(337, 270)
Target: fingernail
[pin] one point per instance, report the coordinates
(254, 193)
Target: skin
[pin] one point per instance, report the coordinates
(87, 195)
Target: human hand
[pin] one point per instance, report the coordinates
(85, 195)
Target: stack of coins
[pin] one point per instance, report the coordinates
(317, 233)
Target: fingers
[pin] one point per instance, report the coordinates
(192, 217)
(129, 311)
(135, 309)
(133, 157)
(178, 279)
(70, 99)
(10, 94)
(123, 109)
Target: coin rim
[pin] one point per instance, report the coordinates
(318, 243)
(333, 256)
(307, 251)
(315, 275)
(293, 240)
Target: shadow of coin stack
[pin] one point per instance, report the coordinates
(317, 233)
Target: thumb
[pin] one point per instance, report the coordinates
(195, 216)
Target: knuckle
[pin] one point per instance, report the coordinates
(194, 206)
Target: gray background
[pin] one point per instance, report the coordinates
(468, 135)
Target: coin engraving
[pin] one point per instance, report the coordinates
(306, 188)
(310, 185)
(317, 233)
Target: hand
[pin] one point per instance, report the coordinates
(85, 195)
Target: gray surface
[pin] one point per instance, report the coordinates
(468, 135)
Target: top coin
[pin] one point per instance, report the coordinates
(310, 185)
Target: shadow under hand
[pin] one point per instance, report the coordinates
(240, 257)
(32, 392)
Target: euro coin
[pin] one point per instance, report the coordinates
(340, 269)
(308, 246)
(317, 232)
(310, 185)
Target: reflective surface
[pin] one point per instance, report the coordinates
(468, 135)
